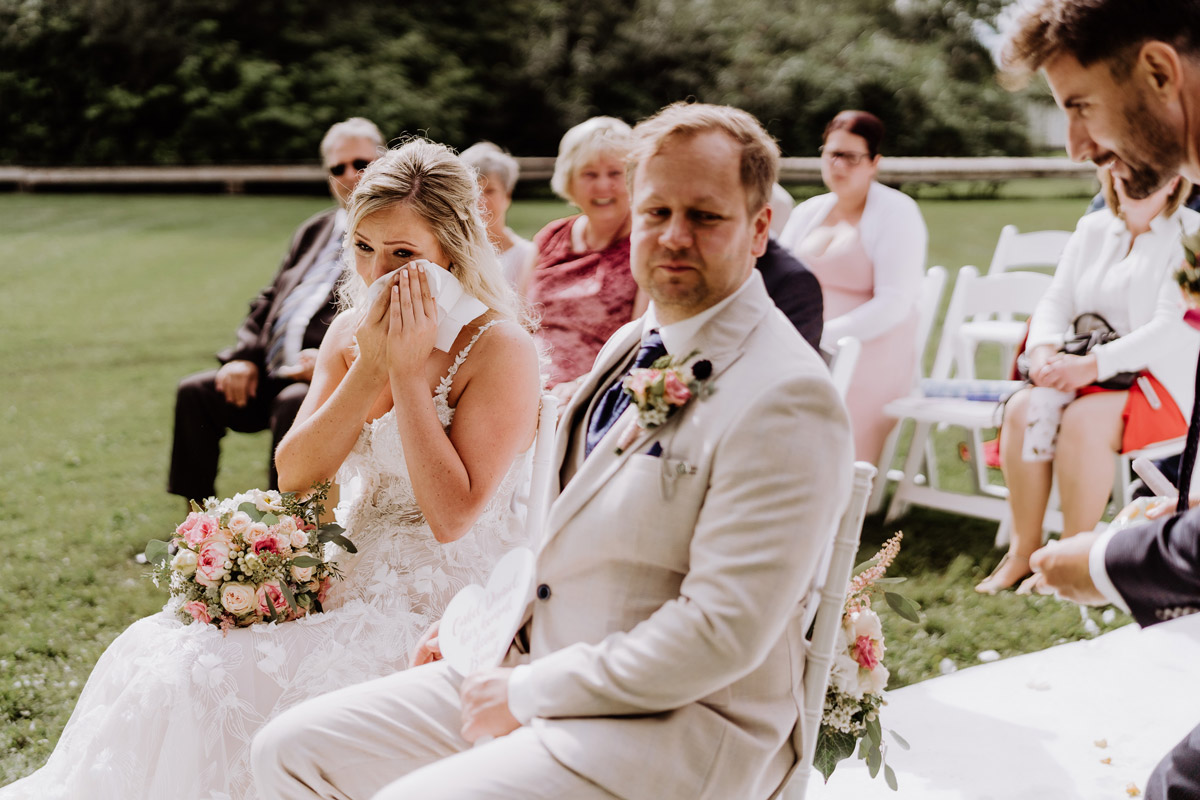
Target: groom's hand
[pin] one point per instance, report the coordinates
(484, 698)
(1063, 565)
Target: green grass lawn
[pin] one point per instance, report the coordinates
(110, 300)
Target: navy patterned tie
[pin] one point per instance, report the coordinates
(614, 401)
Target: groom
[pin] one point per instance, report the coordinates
(662, 655)
(1128, 76)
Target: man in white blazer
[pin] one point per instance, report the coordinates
(663, 653)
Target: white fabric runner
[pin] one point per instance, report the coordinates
(1027, 727)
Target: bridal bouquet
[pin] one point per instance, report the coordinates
(858, 676)
(255, 557)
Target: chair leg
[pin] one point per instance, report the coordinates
(1004, 530)
(879, 490)
(912, 466)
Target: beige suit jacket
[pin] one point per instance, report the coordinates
(666, 644)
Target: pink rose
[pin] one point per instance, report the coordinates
(302, 574)
(268, 541)
(640, 381)
(196, 528)
(299, 539)
(238, 598)
(271, 592)
(675, 391)
(866, 652)
(323, 591)
(213, 563)
(198, 611)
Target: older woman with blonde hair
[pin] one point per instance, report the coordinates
(581, 282)
(435, 439)
(498, 172)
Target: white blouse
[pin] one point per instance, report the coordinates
(893, 233)
(1134, 289)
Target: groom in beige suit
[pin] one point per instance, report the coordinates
(662, 655)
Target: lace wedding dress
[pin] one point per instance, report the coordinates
(169, 710)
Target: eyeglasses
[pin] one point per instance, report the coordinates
(359, 165)
(851, 159)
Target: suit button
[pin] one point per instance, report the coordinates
(543, 592)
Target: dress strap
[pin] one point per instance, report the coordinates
(443, 389)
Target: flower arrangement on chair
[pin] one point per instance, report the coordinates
(858, 677)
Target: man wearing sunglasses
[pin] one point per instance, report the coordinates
(264, 377)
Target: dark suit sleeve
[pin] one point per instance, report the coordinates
(794, 290)
(1156, 567)
(251, 341)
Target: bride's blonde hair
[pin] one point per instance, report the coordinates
(435, 183)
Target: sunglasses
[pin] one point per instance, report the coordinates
(852, 159)
(359, 165)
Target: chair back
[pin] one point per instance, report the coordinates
(1016, 250)
(978, 298)
(843, 364)
(542, 470)
(932, 286)
(821, 650)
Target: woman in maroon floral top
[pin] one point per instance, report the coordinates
(580, 283)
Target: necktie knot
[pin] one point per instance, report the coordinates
(614, 401)
(651, 350)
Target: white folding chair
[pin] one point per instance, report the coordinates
(973, 296)
(1014, 251)
(841, 369)
(819, 659)
(541, 472)
(932, 287)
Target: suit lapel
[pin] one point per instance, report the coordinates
(292, 279)
(720, 340)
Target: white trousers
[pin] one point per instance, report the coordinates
(398, 737)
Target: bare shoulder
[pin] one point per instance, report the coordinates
(504, 349)
(341, 331)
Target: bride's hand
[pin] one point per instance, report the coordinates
(428, 650)
(412, 321)
(371, 334)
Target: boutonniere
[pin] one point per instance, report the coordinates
(1188, 276)
(659, 390)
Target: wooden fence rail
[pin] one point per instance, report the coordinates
(234, 179)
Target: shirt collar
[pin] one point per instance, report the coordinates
(677, 337)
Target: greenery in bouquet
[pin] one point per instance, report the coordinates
(255, 557)
(1188, 275)
(858, 677)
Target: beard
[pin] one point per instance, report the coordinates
(1159, 153)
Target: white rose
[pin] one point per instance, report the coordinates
(875, 681)
(237, 598)
(286, 525)
(239, 523)
(299, 539)
(865, 623)
(844, 676)
(184, 561)
(302, 574)
(268, 501)
(256, 531)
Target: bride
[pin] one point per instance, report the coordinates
(434, 441)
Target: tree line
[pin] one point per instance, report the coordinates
(229, 81)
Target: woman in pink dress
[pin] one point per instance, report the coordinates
(580, 283)
(865, 243)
